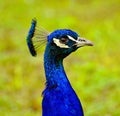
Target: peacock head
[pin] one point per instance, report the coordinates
(59, 43)
(62, 42)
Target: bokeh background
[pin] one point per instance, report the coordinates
(93, 71)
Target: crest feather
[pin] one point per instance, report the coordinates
(36, 37)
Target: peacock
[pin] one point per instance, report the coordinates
(59, 98)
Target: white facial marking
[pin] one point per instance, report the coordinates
(79, 41)
(61, 45)
(71, 38)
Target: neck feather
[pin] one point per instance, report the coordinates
(58, 90)
(54, 71)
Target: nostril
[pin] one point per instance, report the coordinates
(82, 40)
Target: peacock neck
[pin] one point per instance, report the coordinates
(58, 89)
(54, 71)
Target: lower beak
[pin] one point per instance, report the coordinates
(83, 42)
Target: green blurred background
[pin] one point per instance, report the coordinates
(93, 71)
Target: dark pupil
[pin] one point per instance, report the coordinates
(64, 40)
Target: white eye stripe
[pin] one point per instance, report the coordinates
(71, 38)
(82, 40)
(61, 45)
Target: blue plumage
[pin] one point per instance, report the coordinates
(29, 38)
(59, 98)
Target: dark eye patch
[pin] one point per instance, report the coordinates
(71, 43)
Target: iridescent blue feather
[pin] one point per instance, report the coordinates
(29, 38)
(36, 37)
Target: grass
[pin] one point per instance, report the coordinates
(94, 71)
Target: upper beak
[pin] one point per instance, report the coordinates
(83, 42)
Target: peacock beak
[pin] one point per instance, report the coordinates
(83, 42)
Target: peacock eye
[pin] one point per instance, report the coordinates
(64, 40)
